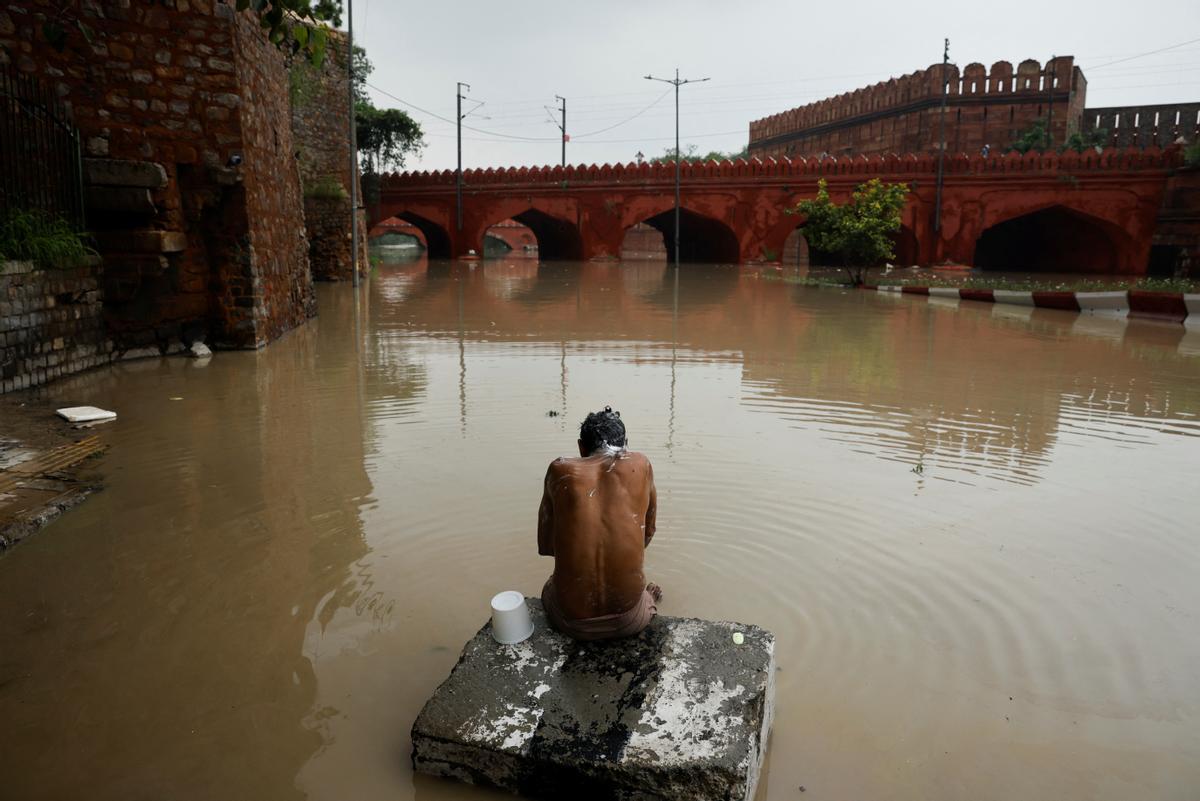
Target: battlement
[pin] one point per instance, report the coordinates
(856, 168)
(1026, 83)
(1139, 126)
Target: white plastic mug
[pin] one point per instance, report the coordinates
(511, 622)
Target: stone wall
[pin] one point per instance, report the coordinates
(279, 278)
(1146, 126)
(320, 124)
(50, 324)
(193, 186)
(902, 115)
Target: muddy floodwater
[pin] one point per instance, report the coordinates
(974, 530)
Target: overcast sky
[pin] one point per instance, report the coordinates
(763, 56)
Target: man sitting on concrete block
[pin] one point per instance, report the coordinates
(596, 520)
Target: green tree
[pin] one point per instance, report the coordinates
(385, 135)
(1036, 137)
(1032, 138)
(860, 231)
(1191, 156)
(1086, 140)
(689, 154)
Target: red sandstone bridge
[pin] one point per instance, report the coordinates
(1071, 211)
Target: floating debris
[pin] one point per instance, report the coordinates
(85, 414)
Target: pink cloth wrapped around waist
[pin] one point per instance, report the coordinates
(604, 627)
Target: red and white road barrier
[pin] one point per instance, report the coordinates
(1174, 307)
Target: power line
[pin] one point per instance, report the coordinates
(1143, 55)
(657, 100)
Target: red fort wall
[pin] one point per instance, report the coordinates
(902, 115)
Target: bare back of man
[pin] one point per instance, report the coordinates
(596, 519)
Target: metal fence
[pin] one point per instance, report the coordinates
(40, 163)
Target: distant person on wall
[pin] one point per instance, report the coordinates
(986, 149)
(597, 519)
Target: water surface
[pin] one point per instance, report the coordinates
(972, 529)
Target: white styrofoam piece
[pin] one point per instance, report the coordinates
(85, 414)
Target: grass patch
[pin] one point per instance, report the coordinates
(43, 239)
(1115, 284)
(326, 188)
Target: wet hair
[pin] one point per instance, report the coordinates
(602, 428)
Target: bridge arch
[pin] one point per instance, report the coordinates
(1054, 238)
(436, 238)
(701, 238)
(795, 252)
(557, 238)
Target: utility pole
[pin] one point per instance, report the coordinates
(562, 126)
(353, 148)
(458, 182)
(937, 204)
(676, 82)
(1050, 103)
(458, 173)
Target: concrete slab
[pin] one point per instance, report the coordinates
(682, 711)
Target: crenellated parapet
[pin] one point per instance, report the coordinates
(743, 170)
(985, 107)
(1141, 126)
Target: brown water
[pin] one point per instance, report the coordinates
(288, 558)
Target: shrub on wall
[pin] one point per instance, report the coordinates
(46, 240)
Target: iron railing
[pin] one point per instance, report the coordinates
(41, 167)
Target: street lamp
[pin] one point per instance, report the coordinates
(676, 82)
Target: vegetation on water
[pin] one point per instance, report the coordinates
(858, 232)
(44, 239)
(1116, 284)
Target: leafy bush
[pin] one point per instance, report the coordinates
(327, 188)
(1191, 156)
(860, 231)
(46, 240)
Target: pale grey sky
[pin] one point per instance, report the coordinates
(763, 56)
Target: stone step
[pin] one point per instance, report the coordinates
(682, 711)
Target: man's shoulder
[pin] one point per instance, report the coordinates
(637, 458)
(563, 464)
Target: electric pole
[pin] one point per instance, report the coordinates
(676, 82)
(562, 126)
(353, 148)
(1050, 103)
(458, 173)
(937, 204)
(458, 182)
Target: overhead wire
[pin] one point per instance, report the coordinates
(1143, 55)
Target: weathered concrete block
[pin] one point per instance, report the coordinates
(124, 172)
(120, 198)
(682, 711)
(141, 241)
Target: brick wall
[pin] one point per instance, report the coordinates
(902, 115)
(278, 276)
(168, 95)
(320, 118)
(50, 324)
(1145, 126)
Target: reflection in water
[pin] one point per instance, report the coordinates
(287, 561)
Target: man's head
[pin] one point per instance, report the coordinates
(600, 429)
